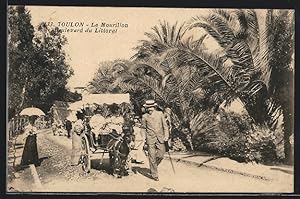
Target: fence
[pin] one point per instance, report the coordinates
(42, 122)
(16, 125)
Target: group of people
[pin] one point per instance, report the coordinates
(151, 135)
(97, 125)
(101, 125)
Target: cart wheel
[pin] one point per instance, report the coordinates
(85, 157)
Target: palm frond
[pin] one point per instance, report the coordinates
(208, 68)
(152, 36)
(224, 13)
(211, 31)
(164, 30)
(145, 84)
(249, 28)
(161, 38)
(172, 34)
(199, 43)
(202, 123)
(222, 26)
(180, 33)
(158, 33)
(237, 50)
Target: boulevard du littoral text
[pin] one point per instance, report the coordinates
(92, 27)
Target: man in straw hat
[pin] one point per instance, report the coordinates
(156, 130)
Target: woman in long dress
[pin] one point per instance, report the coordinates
(30, 152)
(77, 129)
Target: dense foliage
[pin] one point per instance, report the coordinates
(20, 48)
(235, 136)
(38, 69)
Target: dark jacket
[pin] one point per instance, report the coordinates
(68, 125)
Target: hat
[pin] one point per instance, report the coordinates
(149, 103)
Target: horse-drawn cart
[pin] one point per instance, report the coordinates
(107, 130)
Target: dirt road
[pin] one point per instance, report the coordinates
(57, 175)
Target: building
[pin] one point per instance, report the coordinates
(79, 89)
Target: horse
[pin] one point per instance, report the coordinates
(119, 150)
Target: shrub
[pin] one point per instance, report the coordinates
(234, 136)
(177, 145)
(224, 136)
(178, 140)
(261, 145)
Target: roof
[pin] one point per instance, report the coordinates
(100, 99)
(106, 98)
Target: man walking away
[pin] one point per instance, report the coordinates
(68, 128)
(156, 130)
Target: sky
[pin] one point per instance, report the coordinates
(86, 50)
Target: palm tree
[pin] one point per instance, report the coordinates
(279, 39)
(107, 73)
(166, 75)
(218, 83)
(160, 39)
(176, 87)
(232, 74)
(259, 69)
(101, 81)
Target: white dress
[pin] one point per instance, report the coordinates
(114, 123)
(97, 123)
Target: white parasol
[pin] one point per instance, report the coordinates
(32, 111)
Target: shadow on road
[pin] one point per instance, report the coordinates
(144, 171)
(104, 166)
(210, 159)
(164, 189)
(42, 159)
(21, 167)
(196, 155)
(283, 170)
(152, 190)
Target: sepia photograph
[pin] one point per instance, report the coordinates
(150, 100)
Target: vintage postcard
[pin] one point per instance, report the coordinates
(152, 100)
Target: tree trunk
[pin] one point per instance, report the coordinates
(288, 150)
(23, 95)
(287, 101)
(288, 122)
